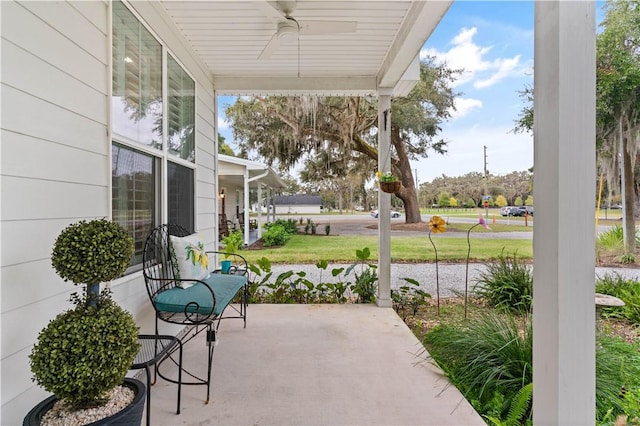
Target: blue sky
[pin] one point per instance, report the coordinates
(493, 43)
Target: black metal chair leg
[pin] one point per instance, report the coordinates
(179, 375)
(211, 341)
(146, 369)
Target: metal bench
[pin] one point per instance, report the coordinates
(199, 307)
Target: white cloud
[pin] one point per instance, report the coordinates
(464, 106)
(466, 55)
(223, 123)
(505, 68)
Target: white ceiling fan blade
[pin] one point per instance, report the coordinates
(270, 48)
(269, 11)
(327, 27)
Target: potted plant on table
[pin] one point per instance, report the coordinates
(82, 356)
(232, 244)
(388, 182)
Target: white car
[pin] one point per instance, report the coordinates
(394, 213)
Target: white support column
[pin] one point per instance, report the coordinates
(384, 199)
(273, 205)
(216, 178)
(563, 238)
(247, 210)
(259, 210)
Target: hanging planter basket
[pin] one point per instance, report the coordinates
(390, 187)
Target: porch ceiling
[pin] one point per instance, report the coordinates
(229, 37)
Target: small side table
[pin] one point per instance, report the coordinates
(153, 348)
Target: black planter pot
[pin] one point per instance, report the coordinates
(131, 415)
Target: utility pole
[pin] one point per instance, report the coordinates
(484, 178)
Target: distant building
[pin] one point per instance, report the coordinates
(297, 204)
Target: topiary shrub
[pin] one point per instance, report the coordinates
(92, 252)
(85, 352)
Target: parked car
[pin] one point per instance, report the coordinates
(394, 213)
(507, 210)
(525, 209)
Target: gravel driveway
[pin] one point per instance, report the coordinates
(451, 275)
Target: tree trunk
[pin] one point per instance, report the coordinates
(628, 203)
(402, 168)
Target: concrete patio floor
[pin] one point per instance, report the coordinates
(315, 365)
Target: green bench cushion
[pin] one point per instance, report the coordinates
(225, 287)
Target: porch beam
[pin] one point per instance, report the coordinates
(563, 238)
(292, 86)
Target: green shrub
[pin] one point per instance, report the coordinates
(519, 407)
(233, 242)
(327, 229)
(507, 284)
(366, 282)
(489, 359)
(85, 351)
(409, 298)
(366, 285)
(617, 371)
(627, 258)
(92, 252)
(627, 290)
(276, 235)
(613, 238)
(290, 225)
(310, 226)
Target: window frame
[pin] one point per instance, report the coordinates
(169, 54)
(161, 157)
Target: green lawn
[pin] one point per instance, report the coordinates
(313, 248)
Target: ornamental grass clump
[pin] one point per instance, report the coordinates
(507, 284)
(86, 351)
(489, 359)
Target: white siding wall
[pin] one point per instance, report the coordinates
(55, 165)
(297, 209)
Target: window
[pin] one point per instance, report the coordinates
(181, 111)
(180, 182)
(134, 194)
(136, 105)
(140, 149)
